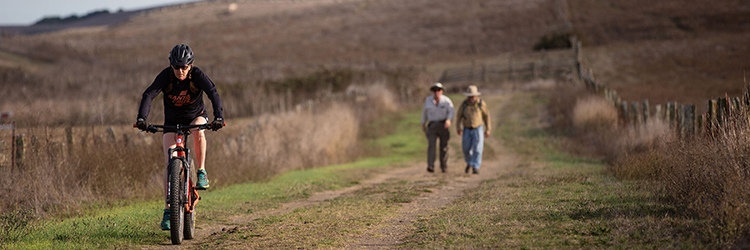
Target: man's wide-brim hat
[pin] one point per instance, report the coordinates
(472, 91)
(437, 85)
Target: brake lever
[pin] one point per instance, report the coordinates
(151, 129)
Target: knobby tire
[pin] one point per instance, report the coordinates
(176, 207)
(190, 217)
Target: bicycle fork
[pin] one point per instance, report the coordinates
(190, 197)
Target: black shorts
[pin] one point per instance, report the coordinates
(183, 121)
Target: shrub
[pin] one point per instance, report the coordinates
(558, 40)
(108, 167)
(593, 114)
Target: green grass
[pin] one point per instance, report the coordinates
(329, 225)
(553, 200)
(408, 141)
(133, 225)
(550, 200)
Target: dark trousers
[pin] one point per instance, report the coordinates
(437, 130)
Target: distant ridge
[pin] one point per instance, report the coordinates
(97, 19)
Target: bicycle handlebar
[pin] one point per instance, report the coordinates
(152, 128)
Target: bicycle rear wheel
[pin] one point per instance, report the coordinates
(176, 207)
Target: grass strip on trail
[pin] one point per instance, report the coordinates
(133, 225)
(552, 201)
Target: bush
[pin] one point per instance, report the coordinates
(558, 40)
(593, 114)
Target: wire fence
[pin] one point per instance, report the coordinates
(517, 67)
(681, 117)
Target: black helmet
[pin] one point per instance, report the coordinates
(181, 55)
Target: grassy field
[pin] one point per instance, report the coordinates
(554, 201)
(136, 224)
(549, 200)
(662, 51)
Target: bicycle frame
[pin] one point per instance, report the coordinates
(191, 195)
(180, 187)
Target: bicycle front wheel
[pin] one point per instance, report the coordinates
(176, 207)
(190, 217)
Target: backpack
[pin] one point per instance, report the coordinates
(463, 106)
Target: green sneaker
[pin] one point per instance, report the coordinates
(165, 221)
(202, 183)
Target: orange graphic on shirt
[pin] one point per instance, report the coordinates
(181, 99)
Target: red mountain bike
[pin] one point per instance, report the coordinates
(182, 194)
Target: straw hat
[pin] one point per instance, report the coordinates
(437, 85)
(472, 91)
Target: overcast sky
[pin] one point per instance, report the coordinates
(27, 12)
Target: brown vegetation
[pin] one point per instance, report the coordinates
(266, 57)
(704, 176)
(665, 51)
(95, 74)
(97, 166)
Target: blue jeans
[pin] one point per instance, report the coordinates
(472, 144)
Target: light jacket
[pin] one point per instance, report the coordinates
(472, 115)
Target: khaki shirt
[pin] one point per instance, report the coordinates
(473, 115)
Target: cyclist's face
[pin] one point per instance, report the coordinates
(181, 72)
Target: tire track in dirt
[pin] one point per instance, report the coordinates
(391, 232)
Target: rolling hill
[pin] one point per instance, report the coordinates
(660, 50)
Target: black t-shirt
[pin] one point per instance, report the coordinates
(183, 100)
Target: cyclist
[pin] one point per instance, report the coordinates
(183, 85)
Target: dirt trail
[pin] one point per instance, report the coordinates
(392, 230)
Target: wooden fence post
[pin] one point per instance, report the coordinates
(658, 115)
(646, 110)
(624, 113)
(721, 111)
(13, 147)
(711, 119)
(69, 141)
(735, 105)
(20, 154)
(671, 115)
(635, 114)
(111, 135)
(688, 124)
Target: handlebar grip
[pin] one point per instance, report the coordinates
(135, 125)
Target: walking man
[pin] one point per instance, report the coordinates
(473, 124)
(436, 119)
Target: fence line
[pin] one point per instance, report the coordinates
(682, 118)
(520, 67)
(61, 146)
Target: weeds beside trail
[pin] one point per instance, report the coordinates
(553, 200)
(549, 200)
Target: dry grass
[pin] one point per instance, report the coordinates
(101, 167)
(594, 114)
(704, 177)
(666, 51)
(707, 177)
(99, 72)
